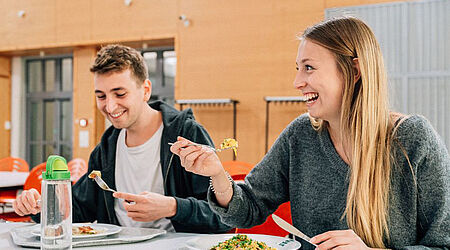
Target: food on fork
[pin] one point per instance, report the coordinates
(229, 143)
(95, 173)
(241, 241)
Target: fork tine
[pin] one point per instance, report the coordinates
(102, 184)
(99, 182)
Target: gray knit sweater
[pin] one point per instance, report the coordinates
(303, 167)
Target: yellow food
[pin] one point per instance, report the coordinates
(95, 173)
(230, 143)
(241, 242)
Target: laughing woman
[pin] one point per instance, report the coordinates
(357, 175)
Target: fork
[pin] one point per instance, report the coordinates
(201, 145)
(102, 184)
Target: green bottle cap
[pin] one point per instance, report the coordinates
(56, 169)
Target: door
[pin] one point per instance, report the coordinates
(49, 108)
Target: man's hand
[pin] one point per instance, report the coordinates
(339, 239)
(27, 202)
(148, 206)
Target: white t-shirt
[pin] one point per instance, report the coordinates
(138, 169)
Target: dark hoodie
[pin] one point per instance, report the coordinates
(91, 203)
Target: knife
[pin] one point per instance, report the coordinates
(291, 229)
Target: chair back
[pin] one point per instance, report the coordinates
(34, 180)
(77, 167)
(14, 164)
(238, 170)
(269, 227)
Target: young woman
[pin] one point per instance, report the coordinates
(358, 176)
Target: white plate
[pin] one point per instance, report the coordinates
(207, 241)
(105, 229)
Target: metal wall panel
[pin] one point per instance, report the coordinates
(414, 37)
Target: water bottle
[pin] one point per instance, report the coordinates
(56, 205)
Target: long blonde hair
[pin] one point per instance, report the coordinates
(364, 121)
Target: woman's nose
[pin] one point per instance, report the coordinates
(299, 82)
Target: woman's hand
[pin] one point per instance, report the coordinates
(200, 160)
(203, 160)
(339, 239)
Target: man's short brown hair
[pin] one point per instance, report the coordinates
(117, 58)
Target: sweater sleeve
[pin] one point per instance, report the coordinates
(433, 190)
(265, 188)
(194, 212)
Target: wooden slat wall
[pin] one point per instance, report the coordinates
(84, 106)
(243, 50)
(5, 104)
(53, 23)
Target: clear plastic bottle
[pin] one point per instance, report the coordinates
(56, 207)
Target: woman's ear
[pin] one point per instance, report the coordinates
(147, 89)
(357, 70)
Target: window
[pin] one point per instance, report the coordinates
(161, 68)
(49, 108)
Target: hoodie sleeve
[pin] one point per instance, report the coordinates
(194, 212)
(84, 196)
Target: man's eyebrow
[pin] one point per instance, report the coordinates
(112, 90)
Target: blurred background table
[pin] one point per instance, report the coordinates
(9, 180)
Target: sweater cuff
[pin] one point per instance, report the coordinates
(183, 209)
(233, 206)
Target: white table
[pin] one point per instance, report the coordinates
(12, 179)
(167, 241)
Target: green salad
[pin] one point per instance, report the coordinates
(241, 241)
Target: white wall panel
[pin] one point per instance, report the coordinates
(414, 37)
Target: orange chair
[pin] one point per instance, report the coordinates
(7, 197)
(34, 180)
(14, 164)
(13, 217)
(11, 164)
(238, 170)
(77, 167)
(269, 226)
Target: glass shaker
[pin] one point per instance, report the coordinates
(56, 207)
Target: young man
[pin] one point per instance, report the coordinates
(134, 157)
